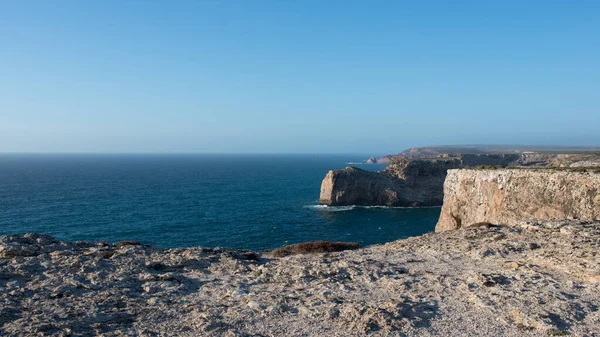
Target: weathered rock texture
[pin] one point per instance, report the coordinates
(559, 159)
(533, 279)
(405, 182)
(507, 196)
(419, 181)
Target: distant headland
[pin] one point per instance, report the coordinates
(434, 151)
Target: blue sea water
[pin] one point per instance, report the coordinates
(235, 201)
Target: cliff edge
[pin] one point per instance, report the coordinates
(507, 196)
(405, 182)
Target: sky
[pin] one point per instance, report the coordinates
(287, 76)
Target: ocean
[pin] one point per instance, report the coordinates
(181, 200)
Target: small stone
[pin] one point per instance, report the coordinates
(275, 309)
(512, 265)
(304, 311)
(150, 288)
(255, 305)
(594, 278)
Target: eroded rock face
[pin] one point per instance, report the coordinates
(507, 196)
(353, 186)
(536, 278)
(405, 182)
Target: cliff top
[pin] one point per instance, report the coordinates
(488, 280)
(578, 169)
(435, 151)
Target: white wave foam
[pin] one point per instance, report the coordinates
(331, 208)
(351, 207)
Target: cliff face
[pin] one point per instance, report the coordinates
(507, 196)
(405, 182)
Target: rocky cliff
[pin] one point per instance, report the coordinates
(507, 196)
(405, 182)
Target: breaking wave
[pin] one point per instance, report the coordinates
(327, 208)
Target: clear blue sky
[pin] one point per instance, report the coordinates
(296, 76)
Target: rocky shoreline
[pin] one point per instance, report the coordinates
(535, 278)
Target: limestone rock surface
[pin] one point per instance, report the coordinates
(536, 278)
(405, 182)
(507, 196)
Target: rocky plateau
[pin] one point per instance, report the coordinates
(534, 278)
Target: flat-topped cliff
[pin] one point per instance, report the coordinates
(419, 181)
(507, 196)
(405, 182)
(545, 153)
(559, 159)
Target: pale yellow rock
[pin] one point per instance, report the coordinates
(508, 196)
(594, 278)
(512, 265)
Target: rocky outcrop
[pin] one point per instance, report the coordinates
(483, 281)
(507, 196)
(405, 182)
(371, 160)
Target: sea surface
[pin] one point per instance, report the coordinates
(235, 201)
